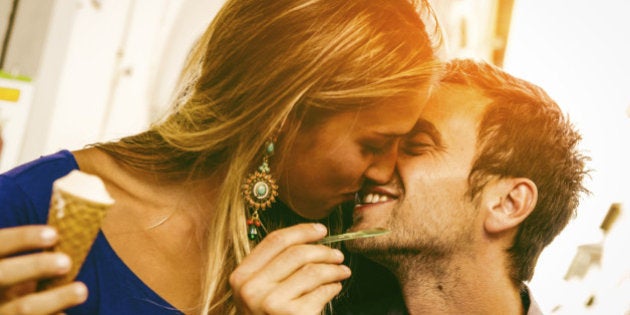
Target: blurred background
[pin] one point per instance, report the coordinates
(74, 72)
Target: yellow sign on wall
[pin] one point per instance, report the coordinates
(9, 94)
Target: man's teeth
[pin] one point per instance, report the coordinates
(375, 198)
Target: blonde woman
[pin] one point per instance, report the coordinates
(286, 107)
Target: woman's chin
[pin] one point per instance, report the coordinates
(316, 214)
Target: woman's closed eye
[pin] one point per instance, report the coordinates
(377, 147)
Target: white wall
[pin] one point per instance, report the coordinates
(579, 52)
(106, 68)
(86, 82)
(184, 28)
(5, 10)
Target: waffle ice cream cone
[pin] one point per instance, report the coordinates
(78, 205)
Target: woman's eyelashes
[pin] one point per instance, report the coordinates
(377, 146)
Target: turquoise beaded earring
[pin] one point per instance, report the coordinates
(260, 191)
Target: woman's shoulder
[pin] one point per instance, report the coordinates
(25, 190)
(38, 175)
(52, 165)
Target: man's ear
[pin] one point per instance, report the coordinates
(507, 202)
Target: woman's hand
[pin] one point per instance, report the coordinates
(287, 274)
(19, 274)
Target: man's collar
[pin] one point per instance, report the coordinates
(529, 304)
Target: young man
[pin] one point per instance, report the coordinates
(489, 176)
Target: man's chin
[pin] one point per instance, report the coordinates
(362, 224)
(370, 248)
(367, 245)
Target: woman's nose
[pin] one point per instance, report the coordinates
(382, 168)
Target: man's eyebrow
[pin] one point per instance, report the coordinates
(425, 126)
(391, 134)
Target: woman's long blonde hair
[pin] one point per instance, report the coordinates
(259, 63)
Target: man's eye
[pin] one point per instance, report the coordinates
(418, 144)
(416, 148)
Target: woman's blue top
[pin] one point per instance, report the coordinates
(113, 288)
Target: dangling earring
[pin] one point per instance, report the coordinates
(260, 191)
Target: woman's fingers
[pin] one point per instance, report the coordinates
(296, 257)
(19, 273)
(24, 238)
(274, 244)
(47, 302)
(32, 267)
(311, 303)
(286, 273)
(320, 296)
(307, 291)
(308, 280)
(314, 260)
(18, 269)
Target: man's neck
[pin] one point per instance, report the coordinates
(464, 287)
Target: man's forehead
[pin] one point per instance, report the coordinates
(451, 98)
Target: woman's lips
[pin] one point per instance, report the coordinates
(348, 196)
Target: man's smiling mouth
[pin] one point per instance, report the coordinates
(374, 195)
